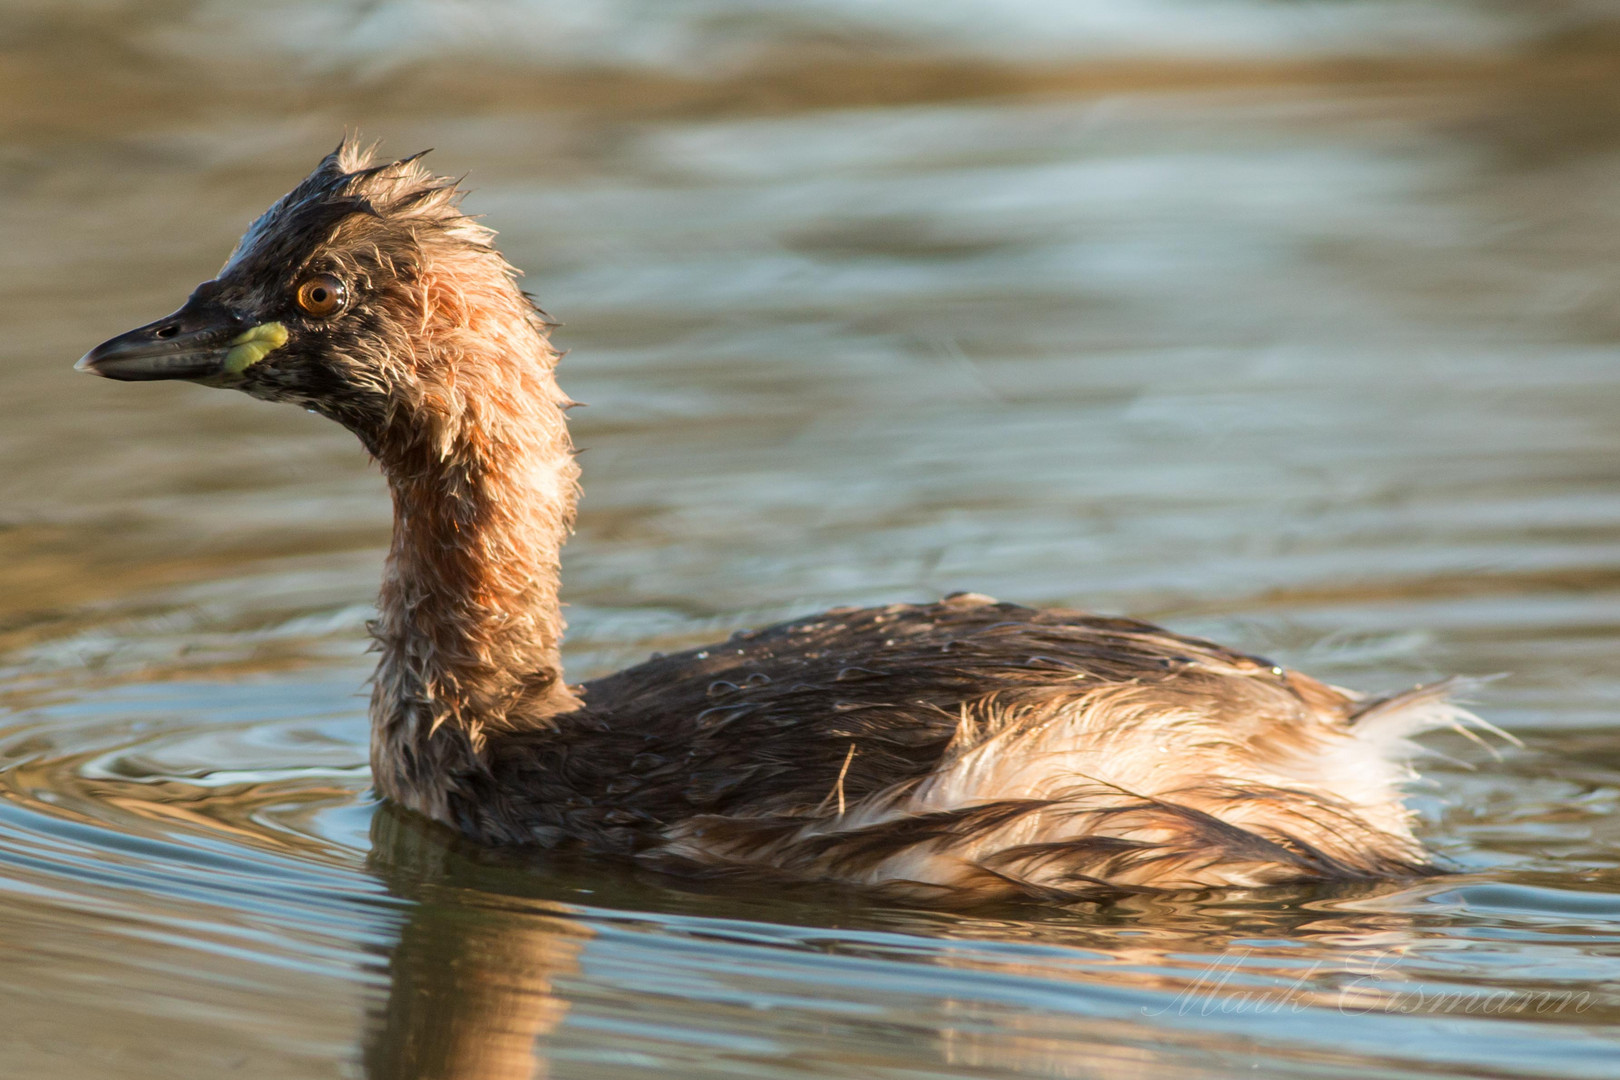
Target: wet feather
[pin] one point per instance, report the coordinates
(961, 749)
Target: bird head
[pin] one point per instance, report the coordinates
(364, 294)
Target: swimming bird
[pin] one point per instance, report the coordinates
(964, 749)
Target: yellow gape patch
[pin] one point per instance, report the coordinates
(251, 346)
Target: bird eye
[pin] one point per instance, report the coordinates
(321, 295)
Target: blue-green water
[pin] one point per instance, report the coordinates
(1289, 324)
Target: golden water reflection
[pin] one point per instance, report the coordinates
(481, 983)
(470, 980)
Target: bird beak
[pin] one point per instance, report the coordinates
(204, 341)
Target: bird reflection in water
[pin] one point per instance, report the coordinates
(473, 977)
(470, 978)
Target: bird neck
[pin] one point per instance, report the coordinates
(469, 624)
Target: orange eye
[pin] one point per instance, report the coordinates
(321, 295)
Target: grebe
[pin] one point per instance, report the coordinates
(962, 749)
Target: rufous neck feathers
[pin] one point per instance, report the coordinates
(484, 483)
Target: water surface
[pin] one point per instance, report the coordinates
(1290, 324)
